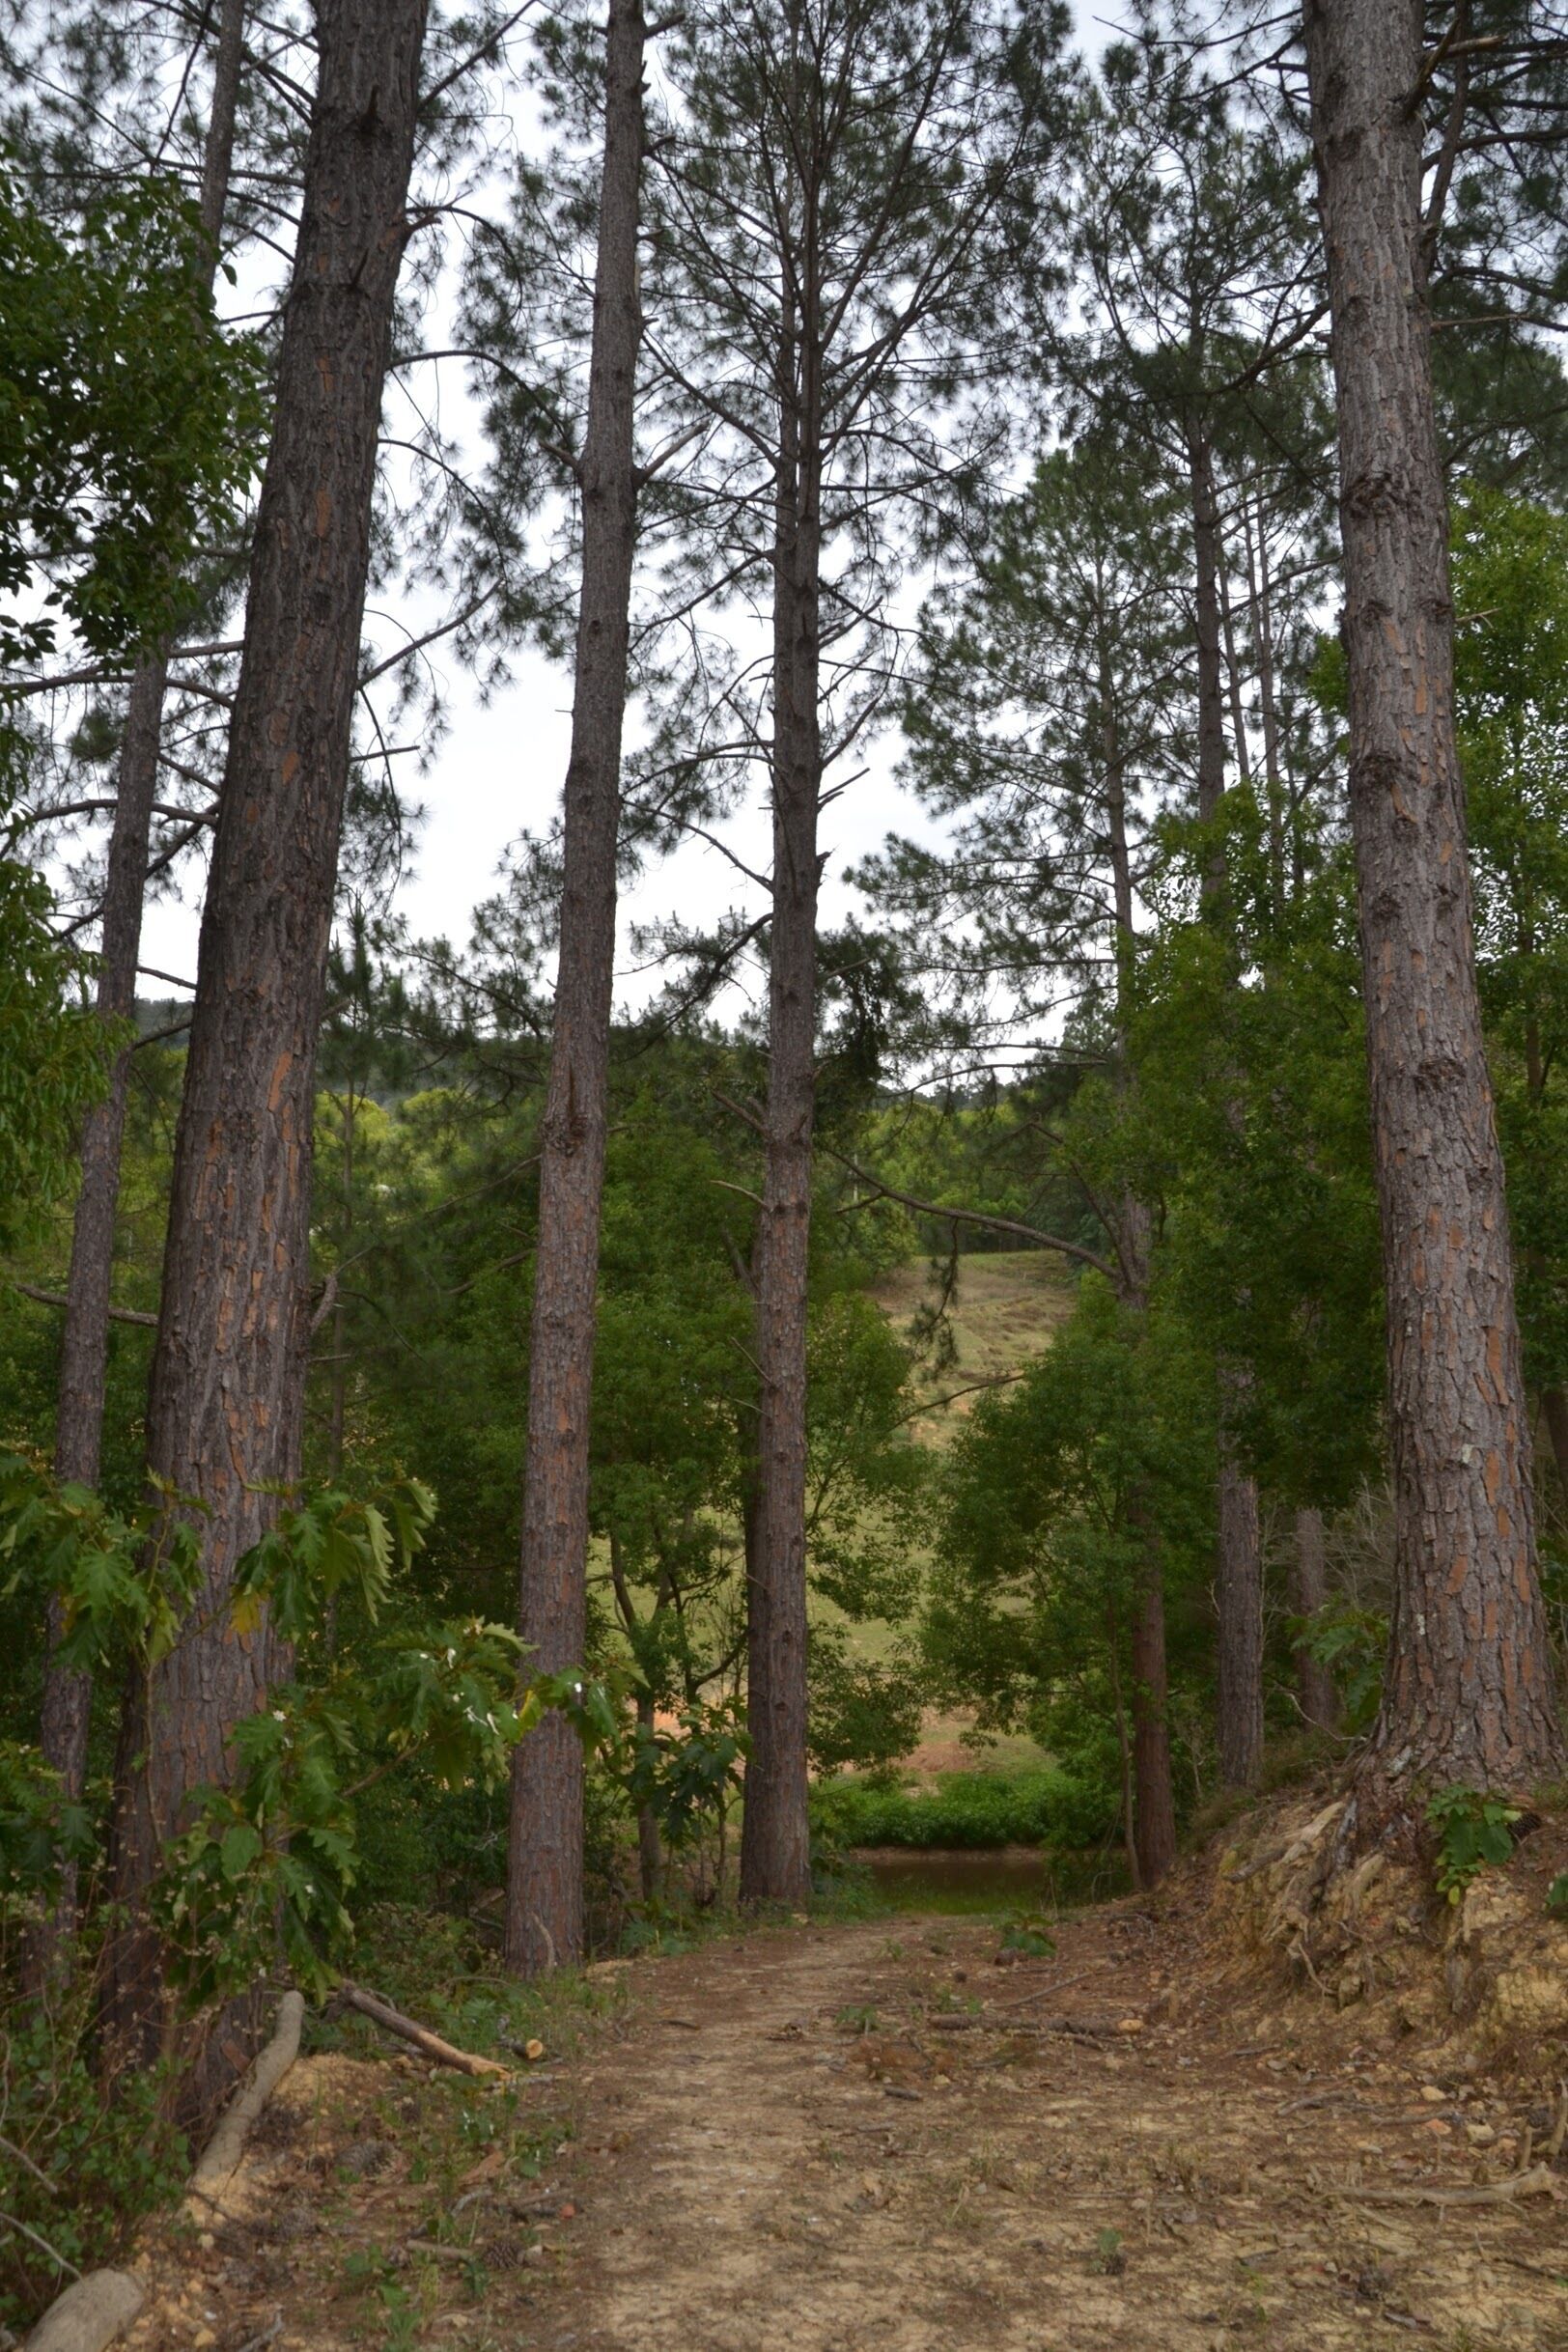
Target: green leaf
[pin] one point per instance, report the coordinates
(240, 1848)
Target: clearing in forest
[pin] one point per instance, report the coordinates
(875, 2138)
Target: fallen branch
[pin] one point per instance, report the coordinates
(220, 2158)
(392, 2021)
(1077, 2029)
(1540, 2181)
(1042, 1992)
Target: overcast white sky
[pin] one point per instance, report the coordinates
(499, 773)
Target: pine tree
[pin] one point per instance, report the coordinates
(543, 1923)
(1468, 1694)
(227, 1385)
(833, 209)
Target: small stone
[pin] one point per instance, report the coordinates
(1432, 2094)
(1479, 2135)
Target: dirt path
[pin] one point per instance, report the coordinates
(873, 2139)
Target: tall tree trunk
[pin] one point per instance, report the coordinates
(1260, 600)
(650, 1850)
(543, 1904)
(1210, 661)
(775, 1840)
(1155, 1801)
(1239, 1599)
(1467, 1694)
(1308, 1591)
(84, 1344)
(1154, 1797)
(1152, 1835)
(225, 1398)
(1233, 680)
(1238, 1559)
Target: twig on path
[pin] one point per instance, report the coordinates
(1057, 1984)
(1538, 2182)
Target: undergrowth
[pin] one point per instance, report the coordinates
(82, 2159)
(1045, 1806)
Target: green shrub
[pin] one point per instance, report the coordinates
(91, 2158)
(1476, 1831)
(1041, 1807)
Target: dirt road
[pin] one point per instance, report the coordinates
(874, 2139)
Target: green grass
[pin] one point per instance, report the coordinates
(1008, 1308)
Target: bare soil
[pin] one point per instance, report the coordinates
(877, 2138)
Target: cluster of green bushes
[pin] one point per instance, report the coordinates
(1044, 1807)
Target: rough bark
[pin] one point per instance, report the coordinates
(225, 1404)
(84, 1344)
(543, 1908)
(1308, 1591)
(775, 1840)
(1239, 1595)
(1153, 1802)
(1467, 1694)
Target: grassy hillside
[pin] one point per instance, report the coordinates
(1007, 1306)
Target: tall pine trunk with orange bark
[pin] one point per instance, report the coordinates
(1467, 1694)
(226, 1401)
(84, 1342)
(544, 1895)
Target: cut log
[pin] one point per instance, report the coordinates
(90, 2314)
(392, 2021)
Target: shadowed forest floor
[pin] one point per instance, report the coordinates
(874, 2138)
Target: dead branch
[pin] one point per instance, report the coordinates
(392, 2021)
